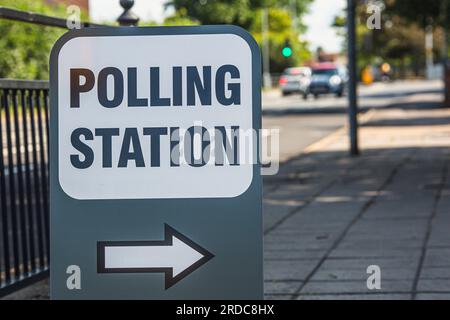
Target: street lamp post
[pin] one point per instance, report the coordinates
(352, 83)
(127, 18)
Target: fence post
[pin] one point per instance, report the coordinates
(127, 18)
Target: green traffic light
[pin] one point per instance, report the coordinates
(286, 52)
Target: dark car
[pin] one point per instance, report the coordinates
(327, 78)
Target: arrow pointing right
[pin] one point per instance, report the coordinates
(176, 256)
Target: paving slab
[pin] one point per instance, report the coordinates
(388, 208)
(374, 296)
(433, 296)
(351, 286)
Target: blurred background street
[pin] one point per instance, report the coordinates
(377, 95)
(364, 126)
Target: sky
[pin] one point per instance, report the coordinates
(318, 20)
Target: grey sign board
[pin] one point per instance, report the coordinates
(155, 188)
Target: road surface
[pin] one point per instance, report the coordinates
(305, 122)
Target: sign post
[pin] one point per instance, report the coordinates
(155, 179)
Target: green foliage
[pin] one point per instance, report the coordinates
(401, 41)
(25, 47)
(420, 12)
(180, 18)
(236, 12)
(280, 31)
(248, 14)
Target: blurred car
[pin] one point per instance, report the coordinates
(327, 78)
(295, 80)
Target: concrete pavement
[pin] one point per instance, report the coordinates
(328, 216)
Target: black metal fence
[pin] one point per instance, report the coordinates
(40, 19)
(24, 208)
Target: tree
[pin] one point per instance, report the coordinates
(247, 14)
(25, 47)
(422, 12)
(400, 41)
(236, 12)
(180, 18)
(280, 31)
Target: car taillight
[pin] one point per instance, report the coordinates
(283, 80)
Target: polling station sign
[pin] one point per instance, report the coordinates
(155, 179)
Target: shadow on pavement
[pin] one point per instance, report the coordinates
(399, 94)
(425, 121)
(329, 216)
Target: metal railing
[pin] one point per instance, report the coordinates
(40, 19)
(24, 197)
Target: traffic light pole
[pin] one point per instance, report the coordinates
(352, 84)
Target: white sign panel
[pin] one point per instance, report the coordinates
(150, 117)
